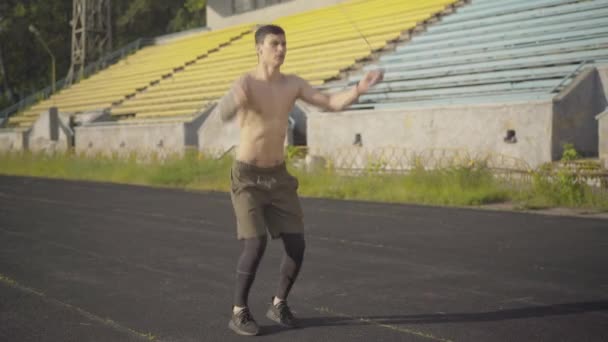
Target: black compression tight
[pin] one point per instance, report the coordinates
(253, 250)
(292, 261)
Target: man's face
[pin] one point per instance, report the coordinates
(273, 50)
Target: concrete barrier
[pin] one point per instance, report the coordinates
(51, 133)
(13, 140)
(602, 119)
(520, 130)
(146, 137)
(574, 111)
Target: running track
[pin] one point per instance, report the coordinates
(101, 262)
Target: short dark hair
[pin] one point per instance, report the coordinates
(262, 31)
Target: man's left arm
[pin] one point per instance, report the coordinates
(339, 101)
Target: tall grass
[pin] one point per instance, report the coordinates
(457, 186)
(189, 171)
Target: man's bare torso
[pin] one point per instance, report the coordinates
(263, 120)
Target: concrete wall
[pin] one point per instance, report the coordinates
(214, 135)
(574, 114)
(603, 118)
(50, 135)
(475, 128)
(162, 137)
(123, 139)
(603, 133)
(219, 12)
(602, 71)
(13, 140)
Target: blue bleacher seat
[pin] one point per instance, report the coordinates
(492, 49)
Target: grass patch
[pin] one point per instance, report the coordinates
(452, 186)
(189, 171)
(441, 187)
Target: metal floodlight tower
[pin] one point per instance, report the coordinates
(91, 34)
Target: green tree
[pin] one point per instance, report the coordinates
(150, 18)
(25, 65)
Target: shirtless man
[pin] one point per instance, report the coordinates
(263, 193)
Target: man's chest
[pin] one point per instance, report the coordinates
(272, 99)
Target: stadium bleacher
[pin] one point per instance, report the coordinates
(321, 43)
(180, 78)
(492, 50)
(488, 50)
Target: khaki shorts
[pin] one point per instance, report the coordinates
(265, 199)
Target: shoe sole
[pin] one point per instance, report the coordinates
(271, 316)
(239, 331)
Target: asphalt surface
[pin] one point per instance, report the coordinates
(101, 262)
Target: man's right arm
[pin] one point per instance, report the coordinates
(235, 99)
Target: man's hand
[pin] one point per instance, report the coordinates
(369, 80)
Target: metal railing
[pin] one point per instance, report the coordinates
(89, 70)
(574, 72)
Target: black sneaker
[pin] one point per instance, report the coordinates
(281, 314)
(243, 323)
